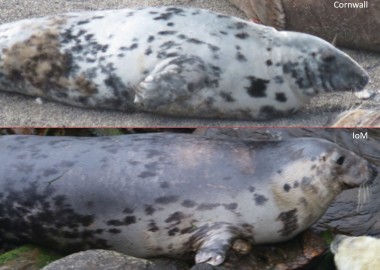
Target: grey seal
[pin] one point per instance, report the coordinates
(174, 195)
(172, 61)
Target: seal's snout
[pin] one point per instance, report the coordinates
(364, 80)
(346, 74)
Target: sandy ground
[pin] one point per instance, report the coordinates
(18, 110)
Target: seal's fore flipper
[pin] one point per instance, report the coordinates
(173, 79)
(215, 247)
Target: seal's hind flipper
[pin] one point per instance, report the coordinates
(215, 247)
(171, 80)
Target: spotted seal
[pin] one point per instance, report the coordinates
(165, 60)
(356, 253)
(176, 195)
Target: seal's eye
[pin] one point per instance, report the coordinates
(340, 160)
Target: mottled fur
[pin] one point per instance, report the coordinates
(171, 60)
(175, 195)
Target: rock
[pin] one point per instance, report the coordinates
(349, 27)
(104, 259)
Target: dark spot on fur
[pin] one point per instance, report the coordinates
(114, 222)
(287, 187)
(149, 210)
(227, 97)
(296, 184)
(182, 36)
(129, 220)
(150, 39)
(114, 231)
(260, 199)
(278, 80)
(289, 220)
(175, 10)
(257, 87)
(269, 62)
(194, 41)
(170, 24)
(223, 33)
(168, 45)
(306, 181)
(167, 33)
(148, 51)
(164, 185)
(279, 171)
(166, 199)
(173, 231)
(133, 46)
(188, 230)
(147, 174)
(188, 203)
(175, 217)
(83, 22)
(152, 226)
(251, 189)
(213, 47)
(242, 35)
(281, 97)
(163, 16)
(267, 112)
(240, 57)
(240, 25)
(230, 206)
(128, 210)
(207, 206)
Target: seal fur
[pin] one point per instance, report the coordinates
(152, 195)
(152, 60)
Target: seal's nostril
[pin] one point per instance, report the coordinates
(364, 80)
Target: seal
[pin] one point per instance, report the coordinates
(153, 60)
(168, 195)
(356, 253)
(321, 18)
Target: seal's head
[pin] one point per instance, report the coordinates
(317, 172)
(339, 169)
(314, 65)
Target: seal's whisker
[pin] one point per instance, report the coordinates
(364, 196)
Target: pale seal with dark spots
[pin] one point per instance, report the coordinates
(174, 195)
(173, 61)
